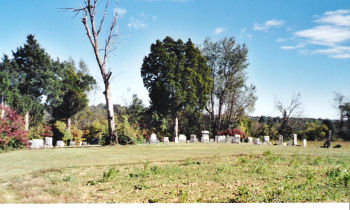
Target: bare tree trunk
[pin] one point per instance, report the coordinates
(2, 105)
(176, 127)
(69, 124)
(221, 102)
(110, 115)
(26, 121)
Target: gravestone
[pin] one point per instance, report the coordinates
(72, 143)
(211, 140)
(193, 138)
(229, 139)
(295, 139)
(290, 143)
(250, 139)
(280, 140)
(84, 143)
(266, 139)
(205, 137)
(304, 143)
(37, 143)
(182, 138)
(257, 141)
(237, 139)
(153, 139)
(95, 141)
(217, 139)
(327, 144)
(60, 144)
(48, 142)
(221, 139)
(166, 140)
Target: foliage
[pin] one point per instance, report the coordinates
(314, 131)
(94, 130)
(127, 134)
(232, 132)
(59, 130)
(227, 61)
(12, 130)
(40, 131)
(77, 135)
(176, 76)
(72, 96)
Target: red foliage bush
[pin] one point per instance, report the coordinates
(12, 130)
(232, 132)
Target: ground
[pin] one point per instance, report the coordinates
(176, 173)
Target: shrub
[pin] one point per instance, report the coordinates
(232, 132)
(40, 131)
(127, 134)
(94, 130)
(12, 130)
(77, 135)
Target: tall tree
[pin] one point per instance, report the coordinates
(34, 76)
(176, 76)
(90, 11)
(227, 61)
(75, 83)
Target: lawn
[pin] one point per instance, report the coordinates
(176, 173)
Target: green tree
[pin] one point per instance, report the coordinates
(228, 61)
(34, 76)
(135, 110)
(75, 83)
(176, 76)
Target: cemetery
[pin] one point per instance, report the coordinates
(236, 110)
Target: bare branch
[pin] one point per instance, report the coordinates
(103, 18)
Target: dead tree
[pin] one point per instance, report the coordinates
(88, 11)
(294, 109)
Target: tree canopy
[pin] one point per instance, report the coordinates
(176, 76)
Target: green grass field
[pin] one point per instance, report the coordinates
(176, 173)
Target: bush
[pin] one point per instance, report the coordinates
(77, 135)
(12, 130)
(94, 130)
(232, 132)
(127, 134)
(40, 131)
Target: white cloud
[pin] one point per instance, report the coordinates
(121, 12)
(300, 45)
(218, 31)
(268, 24)
(137, 23)
(332, 31)
(338, 17)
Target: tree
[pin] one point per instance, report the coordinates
(75, 83)
(33, 75)
(176, 76)
(227, 61)
(89, 19)
(287, 111)
(135, 110)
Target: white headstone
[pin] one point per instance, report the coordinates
(216, 139)
(250, 139)
(221, 139)
(48, 142)
(153, 139)
(205, 137)
(211, 140)
(182, 138)
(193, 138)
(237, 139)
(37, 143)
(60, 144)
(166, 140)
(295, 139)
(266, 139)
(304, 143)
(280, 140)
(257, 141)
(72, 143)
(84, 143)
(176, 139)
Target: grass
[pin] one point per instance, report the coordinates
(176, 173)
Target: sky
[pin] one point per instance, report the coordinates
(295, 46)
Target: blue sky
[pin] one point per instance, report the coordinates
(294, 45)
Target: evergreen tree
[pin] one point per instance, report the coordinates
(176, 76)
